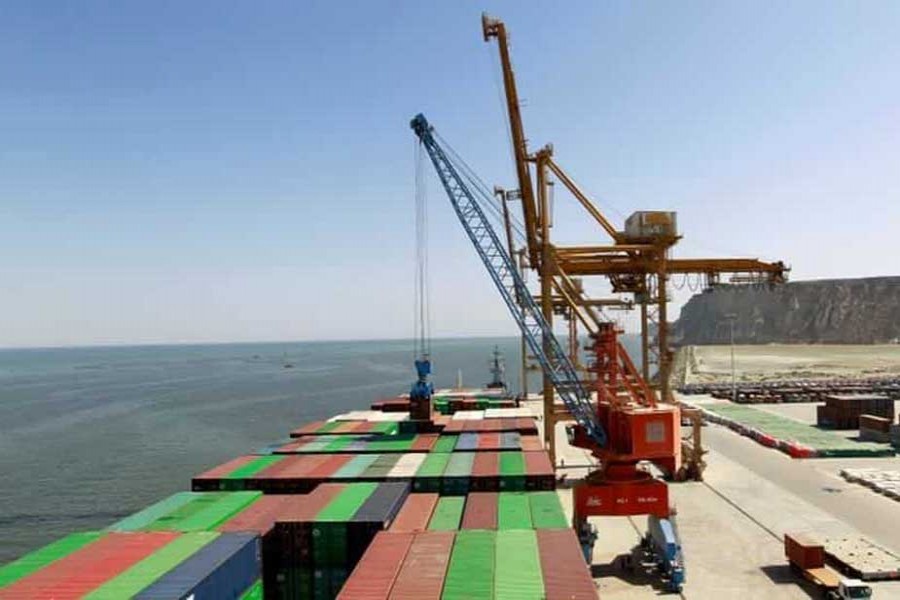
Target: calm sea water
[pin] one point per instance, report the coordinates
(89, 435)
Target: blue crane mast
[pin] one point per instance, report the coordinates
(538, 334)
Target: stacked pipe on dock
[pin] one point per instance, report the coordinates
(792, 437)
(795, 390)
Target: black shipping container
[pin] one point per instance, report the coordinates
(375, 514)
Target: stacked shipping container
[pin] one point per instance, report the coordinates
(518, 564)
(152, 564)
(842, 411)
(453, 473)
(295, 519)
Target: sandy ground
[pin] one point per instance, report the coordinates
(704, 364)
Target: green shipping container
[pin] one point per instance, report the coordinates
(142, 519)
(447, 514)
(457, 473)
(212, 516)
(445, 443)
(255, 592)
(235, 479)
(460, 464)
(513, 511)
(327, 427)
(428, 477)
(141, 575)
(206, 511)
(392, 443)
(517, 565)
(387, 428)
(546, 511)
(512, 471)
(470, 575)
(329, 547)
(34, 561)
(339, 443)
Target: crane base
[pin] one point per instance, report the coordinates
(621, 498)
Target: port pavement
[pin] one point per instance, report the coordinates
(730, 527)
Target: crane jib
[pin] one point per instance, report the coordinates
(542, 342)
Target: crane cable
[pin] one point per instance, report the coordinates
(422, 320)
(485, 199)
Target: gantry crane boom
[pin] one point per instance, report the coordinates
(631, 264)
(495, 28)
(509, 283)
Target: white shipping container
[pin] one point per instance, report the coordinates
(468, 415)
(407, 465)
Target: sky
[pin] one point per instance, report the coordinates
(207, 171)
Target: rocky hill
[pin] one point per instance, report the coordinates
(833, 311)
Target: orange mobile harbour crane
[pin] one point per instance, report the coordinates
(622, 420)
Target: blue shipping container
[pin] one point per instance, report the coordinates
(223, 569)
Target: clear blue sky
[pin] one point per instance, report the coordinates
(225, 171)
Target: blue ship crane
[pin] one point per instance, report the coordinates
(550, 354)
(617, 487)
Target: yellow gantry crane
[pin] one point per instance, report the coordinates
(636, 260)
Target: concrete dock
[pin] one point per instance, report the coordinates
(731, 523)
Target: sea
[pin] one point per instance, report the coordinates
(89, 435)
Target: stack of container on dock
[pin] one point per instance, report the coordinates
(874, 429)
(842, 411)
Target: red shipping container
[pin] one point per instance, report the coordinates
(804, 551)
(90, 567)
(454, 426)
(329, 466)
(293, 529)
(489, 441)
(364, 426)
(294, 445)
(374, 575)
(485, 476)
(537, 463)
(226, 468)
(260, 516)
(308, 429)
(566, 576)
(531, 443)
(491, 425)
(424, 442)
(288, 475)
(525, 425)
(415, 514)
(875, 422)
(481, 511)
(343, 427)
(471, 425)
(422, 575)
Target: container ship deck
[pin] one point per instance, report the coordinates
(365, 505)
